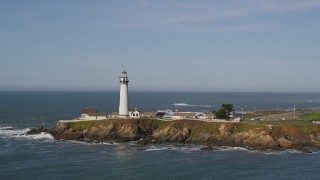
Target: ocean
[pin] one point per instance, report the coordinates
(42, 157)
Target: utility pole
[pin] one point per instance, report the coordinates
(277, 108)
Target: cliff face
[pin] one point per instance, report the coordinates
(103, 131)
(254, 136)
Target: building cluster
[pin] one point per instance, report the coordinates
(92, 114)
(167, 115)
(124, 112)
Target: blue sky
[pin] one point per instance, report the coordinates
(167, 45)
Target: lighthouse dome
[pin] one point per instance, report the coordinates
(124, 75)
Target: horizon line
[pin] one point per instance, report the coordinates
(142, 91)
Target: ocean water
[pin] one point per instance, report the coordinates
(42, 157)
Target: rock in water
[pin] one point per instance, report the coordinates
(207, 148)
(34, 131)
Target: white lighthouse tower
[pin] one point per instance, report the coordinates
(123, 105)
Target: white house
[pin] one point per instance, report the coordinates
(134, 114)
(207, 115)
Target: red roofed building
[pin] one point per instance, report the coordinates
(92, 114)
(88, 111)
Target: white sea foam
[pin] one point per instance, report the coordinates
(5, 132)
(180, 104)
(276, 152)
(6, 128)
(314, 101)
(42, 135)
(89, 143)
(272, 152)
(195, 105)
(155, 149)
(9, 132)
(293, 151)
(172, 148)
(110, 143)
(75, 142)
(218, 149)
(267, 152)
(227, 148)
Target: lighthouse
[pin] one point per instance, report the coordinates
(123, 105)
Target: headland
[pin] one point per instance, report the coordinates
(303, 135)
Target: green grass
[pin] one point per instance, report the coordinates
(249, 126)
(285, 122)
(208, 128)
(295, 122)
(211, 128)
(293, 126)
(159, 123)
(81, 125)
(311, 116)
(261, 113)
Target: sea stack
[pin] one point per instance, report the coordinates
(123, 105)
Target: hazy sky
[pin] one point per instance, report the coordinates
(165, 45)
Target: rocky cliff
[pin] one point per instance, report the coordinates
(252, 136)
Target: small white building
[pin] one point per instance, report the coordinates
(184, 115)
(206, 115)
(134, 114)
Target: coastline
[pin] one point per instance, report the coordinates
(303, 137)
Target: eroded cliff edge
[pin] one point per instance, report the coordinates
(145, 131)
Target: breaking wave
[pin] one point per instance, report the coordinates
(227, 148)
(10, 132)
(171, 148)
(6, 128)
(217, 149)
(42, 135)
(191, 105)
(111, 143)
(266, 152)
(313, 101)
